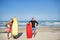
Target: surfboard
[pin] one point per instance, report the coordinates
(28, 30)
(15, 27)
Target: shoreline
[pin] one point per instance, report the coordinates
(39, 29)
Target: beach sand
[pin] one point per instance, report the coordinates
(42, 34)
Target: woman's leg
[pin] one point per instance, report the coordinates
(11, 34)
(8, 35)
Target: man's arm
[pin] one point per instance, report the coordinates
(36, 23)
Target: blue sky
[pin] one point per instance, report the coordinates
(25, 9)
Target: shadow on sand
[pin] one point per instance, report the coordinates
(17, 36)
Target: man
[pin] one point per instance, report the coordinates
(34, 24)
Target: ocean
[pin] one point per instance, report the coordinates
(41, 23)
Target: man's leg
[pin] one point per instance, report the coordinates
(34, 32)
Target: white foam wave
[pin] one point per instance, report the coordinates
(21, 23)
(51, 23)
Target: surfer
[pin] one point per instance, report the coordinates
(9, 27)
(34, 24)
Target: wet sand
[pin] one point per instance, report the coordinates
(42, 34)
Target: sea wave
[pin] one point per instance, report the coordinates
(22, 24)
(50, 23)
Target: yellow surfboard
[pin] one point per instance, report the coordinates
(15, 27)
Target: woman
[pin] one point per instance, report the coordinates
(9, 27)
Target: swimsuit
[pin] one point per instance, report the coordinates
(9, 29)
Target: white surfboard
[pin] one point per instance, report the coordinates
(15, 27)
